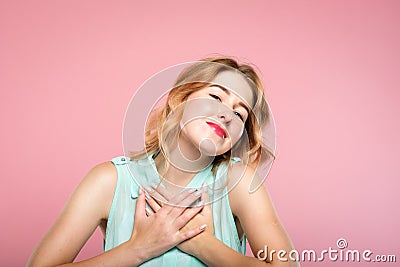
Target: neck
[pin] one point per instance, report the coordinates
(185, 160)
(187, 157)
(187, 164)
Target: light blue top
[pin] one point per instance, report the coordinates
(121, 217)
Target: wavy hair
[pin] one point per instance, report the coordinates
(196, 77)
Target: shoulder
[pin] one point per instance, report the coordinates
(99, 185)
(104, 169)
(242, 177)
(245, 191)
(102, 175)
(88, 205)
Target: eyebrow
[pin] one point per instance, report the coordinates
(226, 91)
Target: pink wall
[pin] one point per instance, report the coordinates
(69, 68)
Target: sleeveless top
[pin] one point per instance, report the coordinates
(121, 216)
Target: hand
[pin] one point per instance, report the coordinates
(155, 233)
(204, 217)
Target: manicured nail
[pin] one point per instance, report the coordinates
(154, 186)
(202, 227)
(148, 189)
(148, 211)
(201, 203)
(147, 195)
(192, 190)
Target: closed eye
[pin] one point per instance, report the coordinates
(239, 115)
(215, 97)
(235, 112)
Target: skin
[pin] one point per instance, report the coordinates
(89, 207)
(267, 229)
(173, 225)
(226, 107)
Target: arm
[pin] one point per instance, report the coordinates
(83, 212)
(88, 206)
(259, 221)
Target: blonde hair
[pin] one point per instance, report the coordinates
(196, 77)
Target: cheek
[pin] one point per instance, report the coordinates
(198, 108)
(192, 127)
(236, 131)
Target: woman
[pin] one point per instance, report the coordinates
(202, 149)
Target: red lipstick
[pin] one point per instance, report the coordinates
(217, 129)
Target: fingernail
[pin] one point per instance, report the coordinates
(148, 189)
(148, 211)
(154, 186)
(201, 203)
(202, 227)
(147, 195)
(192, 190)
(140, 191)
(198, 193)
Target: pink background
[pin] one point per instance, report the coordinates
(331, 68)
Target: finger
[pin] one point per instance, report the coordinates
(205, 198)
(191, 233)
(187, 215)
(152, 203)
(185, 203)
(140, 212)
(159, 199)
(163, 192)
(179, 203)
(149, 211)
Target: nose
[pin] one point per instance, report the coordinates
(224, 116)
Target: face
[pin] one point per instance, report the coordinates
(213, 118)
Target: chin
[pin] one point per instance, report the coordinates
(209, 147)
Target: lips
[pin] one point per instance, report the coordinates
(217, 129)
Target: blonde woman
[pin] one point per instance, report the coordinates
(184, 200)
